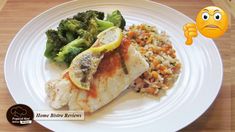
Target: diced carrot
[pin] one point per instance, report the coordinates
(178, 65)
(131, 34)
(150, 48)
(141, 49)
(173, 55)
(140, 42)
(168, 46)
(155, 62)
(146, 34)
(150, 90)
(151, 58)
(162, 68)
(165, 49)
(142, 27)
(176, 68)
(156, 50)
(154, 74)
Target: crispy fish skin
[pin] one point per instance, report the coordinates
(104, 87)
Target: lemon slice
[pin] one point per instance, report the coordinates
(108, 40)
(85, 64)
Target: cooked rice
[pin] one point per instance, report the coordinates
(159, 53)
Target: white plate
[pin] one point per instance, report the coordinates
(27, 70)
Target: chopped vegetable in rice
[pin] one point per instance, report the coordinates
(159, 53)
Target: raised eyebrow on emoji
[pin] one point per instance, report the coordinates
(206, 10)
(216, 10)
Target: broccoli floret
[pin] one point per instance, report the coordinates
(70, 36)
(69, 51)
(68, 28)
(71, 25)
(87, 36)
(86, 16)
(53, 44)
(117, 19)
(94, 21)
(102, 25)
(96, 26)
(74, 51)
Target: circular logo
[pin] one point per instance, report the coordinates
(20, 115)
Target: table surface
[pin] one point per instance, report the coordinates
(16, 13)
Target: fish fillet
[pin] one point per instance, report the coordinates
(108, 82)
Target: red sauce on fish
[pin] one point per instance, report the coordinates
(92, 92)
(109, 64)
(124, 47)
(112, 60)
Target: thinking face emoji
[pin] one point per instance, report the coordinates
(212, 22)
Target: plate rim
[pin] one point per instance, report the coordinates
(155, 3)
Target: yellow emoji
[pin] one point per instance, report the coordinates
(212, 22)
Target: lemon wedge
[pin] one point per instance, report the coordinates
(85, 64)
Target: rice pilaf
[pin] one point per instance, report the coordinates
(156, 48)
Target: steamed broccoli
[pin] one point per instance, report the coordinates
(53, 44)
(117, 19)
(74, 35)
